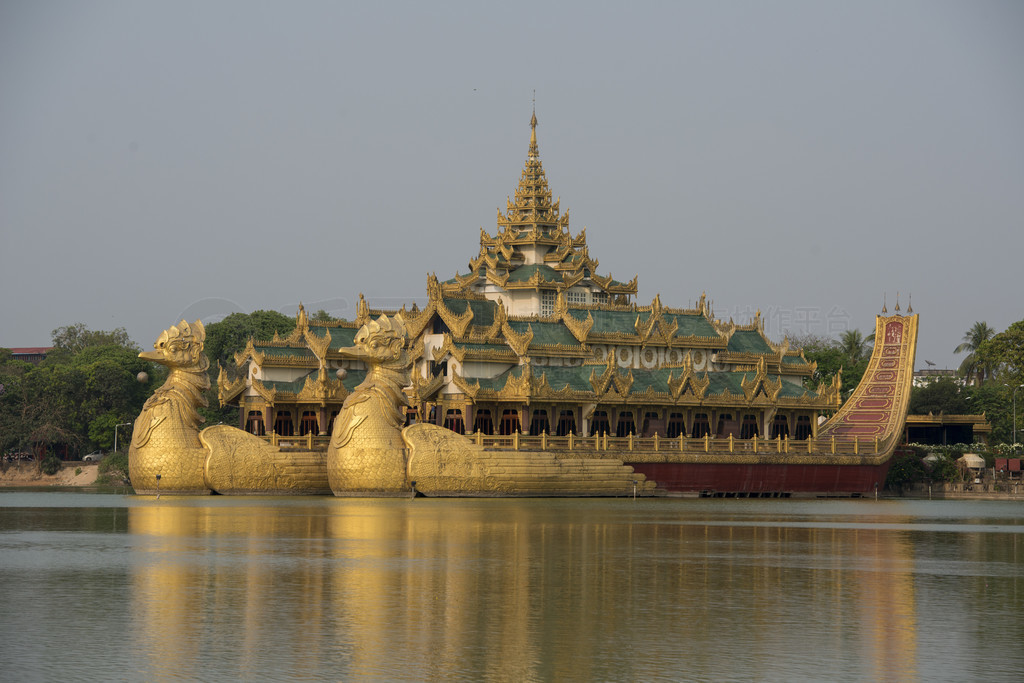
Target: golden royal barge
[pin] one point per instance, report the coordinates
(531, 374)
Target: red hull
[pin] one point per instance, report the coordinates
(766, 480)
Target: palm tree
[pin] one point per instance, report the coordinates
(855, 345)
(979, 333)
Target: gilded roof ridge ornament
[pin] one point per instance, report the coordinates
(362, 311)
(317, 344)
(885, 309)
(228, 388)
(534, 152)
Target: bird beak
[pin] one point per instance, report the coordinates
(353, 352)
(154, 355)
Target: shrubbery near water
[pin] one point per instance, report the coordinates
(51, 465)
(921, 463)
(114, 468)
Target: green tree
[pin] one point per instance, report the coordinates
(855, 346)
(821, 350)
(70, 339)
(944, 470)
(229, 336)
(225, 338)
(1003, 353)
(974, 365)
(12, 389)
(851, 355)
(944, 395)
(68, 402)
(993, 400)
(906, 469)
(323, 316)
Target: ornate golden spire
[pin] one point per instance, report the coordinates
(532, 210)
(534, 153)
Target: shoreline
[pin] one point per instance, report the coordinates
(27, 475)
(82, 478)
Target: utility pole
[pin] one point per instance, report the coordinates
(123, 424)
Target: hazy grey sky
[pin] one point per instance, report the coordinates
(160, 160)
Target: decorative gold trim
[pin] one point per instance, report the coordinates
(518, 342)
(448, 347)
(760, 386)
(228, 389)
(269, 394)
(578, 328)
(466, 280)
(249, 352)
(500, 319)
(317, 344)
(458, 324)
(321, 389)
(464, 386)
(423, 388)
(688, 380)
(362, 311)
(601, 382)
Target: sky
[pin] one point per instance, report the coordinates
(810, 160)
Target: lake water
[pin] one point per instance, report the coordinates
(103, 587)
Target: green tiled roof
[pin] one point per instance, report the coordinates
(351, 381)
(483, 312)
(610, 322)
(343, 336)
(791, 390)
(577, 378)
(748, 341)
(340, 337)
(720, 381)
(692, 325)
(483, 309)
(545, 333)
(497, 383)
(524, 273)
(486, 348)
(284, 352)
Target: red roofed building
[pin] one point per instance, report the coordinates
(31, 354)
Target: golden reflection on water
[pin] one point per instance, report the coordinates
(514, 590)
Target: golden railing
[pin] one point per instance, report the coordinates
(680, 444)
(646, 444)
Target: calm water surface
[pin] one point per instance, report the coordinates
(97, 587)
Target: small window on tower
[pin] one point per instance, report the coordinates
(547, 304)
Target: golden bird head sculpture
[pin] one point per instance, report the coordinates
(379, 341)
(180, 346)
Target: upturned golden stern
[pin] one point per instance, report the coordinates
(367, 455)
